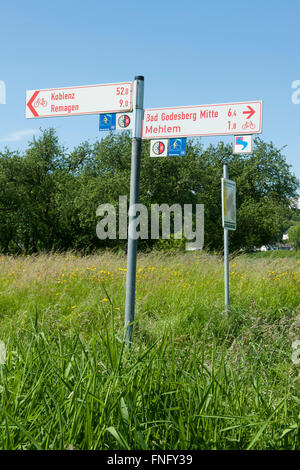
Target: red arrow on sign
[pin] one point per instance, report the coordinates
(250, 112)
(30, 102)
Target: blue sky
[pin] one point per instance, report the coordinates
(190, 53)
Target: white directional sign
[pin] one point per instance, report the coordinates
(213, 119)
(72, 101)
(242, 144)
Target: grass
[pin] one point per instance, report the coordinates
(195, 379)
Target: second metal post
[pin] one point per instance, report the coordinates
(226, 255)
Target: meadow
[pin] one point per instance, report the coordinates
(195, 378)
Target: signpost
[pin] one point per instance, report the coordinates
(215, 119)
(138, 111)
(228, 191)
(105, 100)
(73, 101)
(167, 128)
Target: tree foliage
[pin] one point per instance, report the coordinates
(294, 235)
(49, 196)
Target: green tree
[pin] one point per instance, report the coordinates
(49, 197)
(265, 187)
(28, 190)
(294, 235)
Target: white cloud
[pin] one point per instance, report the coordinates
(19, 135)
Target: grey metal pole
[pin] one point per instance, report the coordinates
(226, 254)
(138, 111)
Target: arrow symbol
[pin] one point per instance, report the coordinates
(30, 103)
(250, 112)
(240, 141)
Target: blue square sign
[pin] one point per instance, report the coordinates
(107, 122)
(177, 147)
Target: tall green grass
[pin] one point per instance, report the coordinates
(195, 378)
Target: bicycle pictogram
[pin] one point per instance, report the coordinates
(248, 125)
(40, 102)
